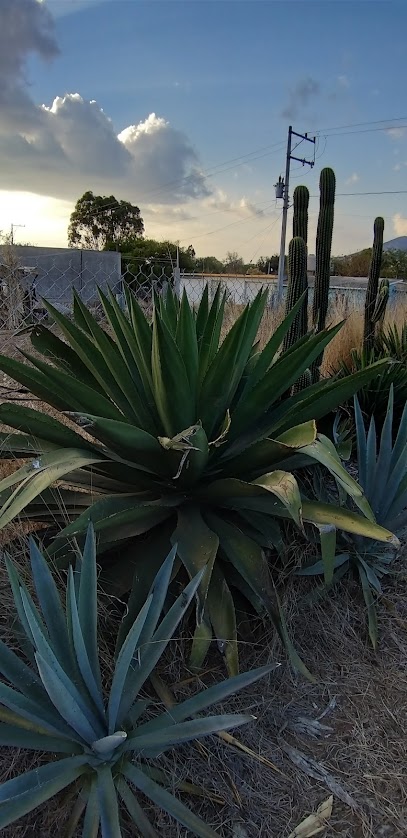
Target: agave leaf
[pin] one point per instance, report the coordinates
(24, 793)
(71, 711)
(158, 593)
(133, 444)
(208, 697)
(21, 445)
(327, 534)
(318, 568)
(197, 547)
(114, 518)
(360, 443)
(343, 519)
(34, 712)
(40, 425)
(383, 460)
(319, 399)
(201, 641)
(25, 736)
(161, 797)
(21, 676)
(265, 453)
(282, 375)
(268, 354)
(75, 394)
(202, 313)
(100, 356)
(128, 347)
(135, 810)
(166, 738)
(92, 813)
(172, 391)
(34, 480)
(324, 452)
(143, 564)
(123, 664)
(222, 615)
(228, 365)
(245, 555)
(209, 342)
(87, 603)
(186, 341)
(284, 485)
(61, 354)
(82, 658)
(108, 804)
(159, 642)
(51, 607)
(370, 605)
(49, 660)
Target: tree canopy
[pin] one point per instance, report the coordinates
(100, 221)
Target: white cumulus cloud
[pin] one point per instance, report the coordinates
(71, 145)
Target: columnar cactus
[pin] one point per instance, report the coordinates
(373, 285)
(381, 304)
(323, 247)
(300, 217)
(327, 183)
(297, 284)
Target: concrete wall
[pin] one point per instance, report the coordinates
(62, 269)
(350, 292)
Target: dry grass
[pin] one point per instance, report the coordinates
(361, 742)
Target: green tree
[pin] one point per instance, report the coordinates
(268, 264)
(234, 263)
(209, 265)
(99, 221)
(394, 264)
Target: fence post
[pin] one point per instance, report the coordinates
(177, 277)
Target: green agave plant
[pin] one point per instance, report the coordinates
(190, 440)
(382, 470)
(100, 745)
(390, 344)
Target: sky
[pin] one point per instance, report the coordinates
(183, 107)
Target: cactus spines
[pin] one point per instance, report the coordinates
(373, 284)
(297, 284)
(300, 216)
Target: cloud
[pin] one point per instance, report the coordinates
(400, 224)
(70, 146)
(26, 27)
(300, 97)
(242, 206)
(397, 132)
(354, 178)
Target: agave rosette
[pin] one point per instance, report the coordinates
(107, 747)
(190, 439)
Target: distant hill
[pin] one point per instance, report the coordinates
(396, 244)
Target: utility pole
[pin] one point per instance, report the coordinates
(282, 188)
(12, 231)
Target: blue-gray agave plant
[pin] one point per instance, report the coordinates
(382, 474)
(55, 703)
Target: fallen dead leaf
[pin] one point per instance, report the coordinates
(316, 823)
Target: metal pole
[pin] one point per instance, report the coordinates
(177, 277)
(284, 220)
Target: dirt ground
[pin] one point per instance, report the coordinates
(345, 734)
